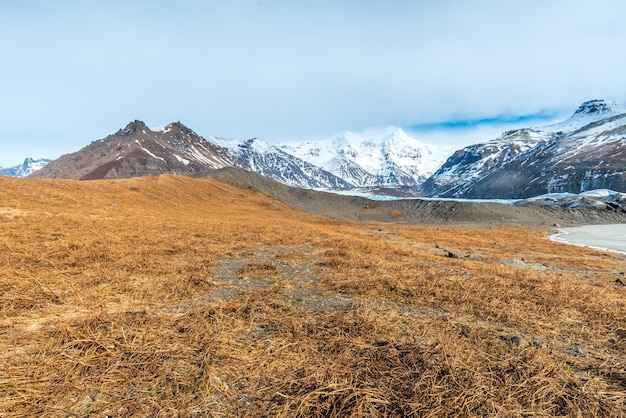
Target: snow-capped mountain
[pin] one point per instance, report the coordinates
(270, 161)
(592, 157)
(469, 165)
(390, 158)
(581, 153)
(29, 166)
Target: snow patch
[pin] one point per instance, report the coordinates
(182, 160)
(151, 154)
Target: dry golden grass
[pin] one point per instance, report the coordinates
(170, 296)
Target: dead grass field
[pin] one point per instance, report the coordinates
(171, 296)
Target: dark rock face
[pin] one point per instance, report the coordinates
(585, 152)
(597, 107)
(458, 175)
(276, 164)
(593, 157)
(132, 128)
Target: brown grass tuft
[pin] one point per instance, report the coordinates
(397, 214)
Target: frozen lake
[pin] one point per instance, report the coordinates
(611, 237)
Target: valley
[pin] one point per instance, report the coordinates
(225, 296)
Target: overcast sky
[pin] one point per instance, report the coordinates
(75, 71)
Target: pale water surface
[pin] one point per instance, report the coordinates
(610, 237)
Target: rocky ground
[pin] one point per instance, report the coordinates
(352, 208)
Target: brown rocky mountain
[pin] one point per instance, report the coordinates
(138, 151)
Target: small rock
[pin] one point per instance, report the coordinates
(578, 350)
(465, 331)
(513, 262)
(620, 282)
(97, 397)
(516, 340)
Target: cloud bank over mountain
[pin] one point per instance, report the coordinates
(287, 71)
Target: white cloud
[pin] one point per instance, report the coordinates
(294, 70)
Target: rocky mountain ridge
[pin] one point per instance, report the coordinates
(579, 154)
(270, 161)
(467, 166)
(136, 151)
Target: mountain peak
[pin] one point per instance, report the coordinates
(133, 128)
(596, 107)
(392, 130)
(178, 125)
(29, 166)
(395, 134)
(179, 131)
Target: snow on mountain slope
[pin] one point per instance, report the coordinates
(591, 154)
(582, 152)
(343, 162)
(468, 165)
(349, 171)
(388, 158)
(29, 166)
(266, 159)
(592, 157)
(593, 122)
(588, 112)
(136, 151)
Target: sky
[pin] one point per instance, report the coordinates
(447, 71)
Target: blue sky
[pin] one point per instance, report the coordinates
(75, 71)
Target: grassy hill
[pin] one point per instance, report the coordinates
(172, 296)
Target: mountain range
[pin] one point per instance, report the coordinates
(579, 154)
(29, 166)
(341, 163)
(390, 159)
